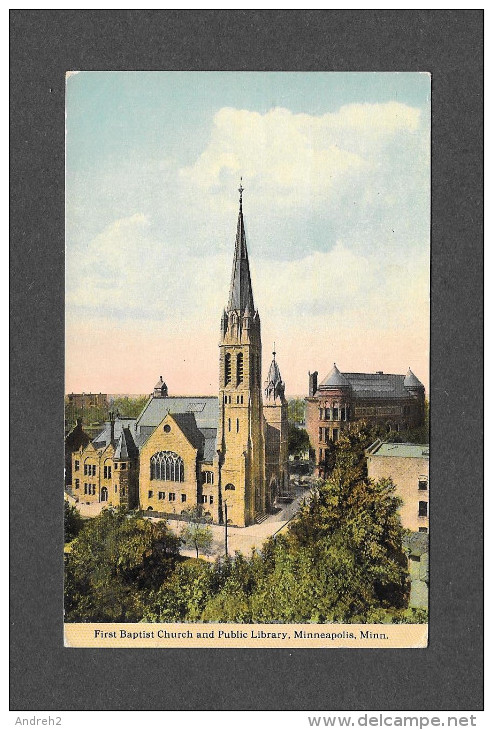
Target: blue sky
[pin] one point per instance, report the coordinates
(336, 174)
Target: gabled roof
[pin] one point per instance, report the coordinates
(104, 437)
(188, 425)
(204, 408)
(125, 447)
(240, 292)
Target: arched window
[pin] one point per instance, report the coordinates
(104, 494)
(239, 368)
(227, 369)
(230, 487)
(166, 466)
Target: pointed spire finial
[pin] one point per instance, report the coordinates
(274, 351)
(240, 190)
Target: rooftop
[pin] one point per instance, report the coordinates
(410, 451)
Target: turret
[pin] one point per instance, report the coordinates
(160, 389)
(273, 386)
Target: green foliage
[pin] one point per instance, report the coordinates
(298, 440)
(296, 410)
(72, 522)
(129, 407)
(198, 537)
(342, 560)
(115, 561)
(196, 533)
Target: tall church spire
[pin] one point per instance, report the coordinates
(240, 292)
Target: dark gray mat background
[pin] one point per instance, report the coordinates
(46, 676)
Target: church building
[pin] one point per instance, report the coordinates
(227, 453)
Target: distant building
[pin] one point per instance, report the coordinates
(395, 402)
(88, 400)
(408, 467)
(226, 453)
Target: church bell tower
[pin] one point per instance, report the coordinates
(241, 449)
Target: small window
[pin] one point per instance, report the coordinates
(229, 424)
(320, 434)
(85, 469)
(237, 425)
(76, 465)
(76, 483)
(172, 496)
(150, 493)
(122, 491)
(85, 488)
(423, 485)
(320, 455)
(166, 428)
(161, 495)
(211, 499)
(335, 434)
(335, 414)
(422, 529)
(116, 488)
(227, 369)
(229, 487)
(239, 368)
(123, 466)
(225, 398)
(321, 414)
(107, 472)
(423, 509)
(241, 399)
(327, 414)
(116, 467)
(183, 497)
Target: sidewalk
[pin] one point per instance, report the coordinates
(244, 539)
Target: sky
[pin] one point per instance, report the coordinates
(336, 177)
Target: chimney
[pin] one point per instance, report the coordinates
(312, 383)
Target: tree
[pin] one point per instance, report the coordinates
(128, 407)
(196, 532)
(117, 559)
(296, 410)
(72, 522)
(298, 440)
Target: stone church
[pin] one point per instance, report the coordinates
(224, 453)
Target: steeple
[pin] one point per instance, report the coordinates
(240, 292)
(274, 387)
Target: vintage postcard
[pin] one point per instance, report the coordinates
(247, 359)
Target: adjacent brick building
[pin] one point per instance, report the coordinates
(408, 467)
(396, 402)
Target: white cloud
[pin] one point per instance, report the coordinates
(299, 160)
(337, 214)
